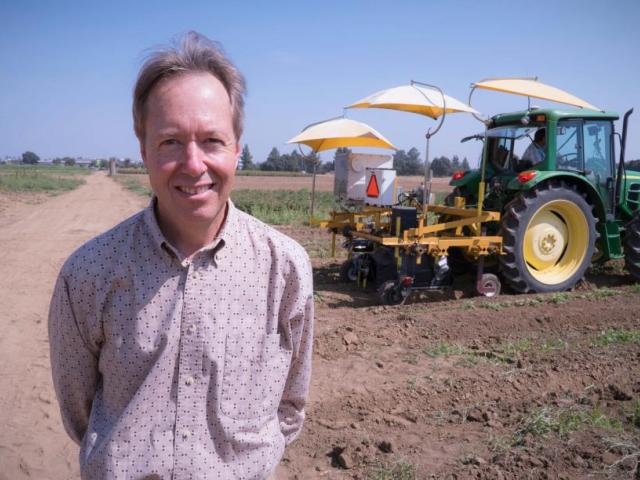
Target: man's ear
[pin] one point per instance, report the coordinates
(143, 153)
(238, 152)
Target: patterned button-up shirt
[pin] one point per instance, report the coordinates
(171, 368)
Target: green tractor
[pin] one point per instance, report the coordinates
(563, 206)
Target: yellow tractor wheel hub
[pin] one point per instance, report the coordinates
(555, 242)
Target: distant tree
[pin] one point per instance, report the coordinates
(465, 164)
(413, 165)
(30, 158)
(399, 161)
(441, 167)
(103, 164)
(69, 162)
(273, 162)
(93, 164)
(246, 159)
(311, 161)
(327, 167)
(291, 162)
(408, 163)
(455, 163)
(56, 161)
(127, 162)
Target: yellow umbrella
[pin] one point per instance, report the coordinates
(340, 132)
(414, 98)
(420, 98)
(531, 87)
(336, 133)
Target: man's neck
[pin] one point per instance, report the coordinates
(190, 237)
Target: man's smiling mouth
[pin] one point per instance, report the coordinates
(197, 190)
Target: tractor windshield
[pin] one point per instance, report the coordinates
(512, 147)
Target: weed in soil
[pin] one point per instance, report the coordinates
(564, 421)
(443, 349)
(553, 344)
(613, 336)
(400, 470)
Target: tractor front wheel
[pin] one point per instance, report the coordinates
(632, 247)
(549, 235)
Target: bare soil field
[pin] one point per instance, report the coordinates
(447, 386)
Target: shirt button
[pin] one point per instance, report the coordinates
(192, 329)
(189, 381)
(186, 433)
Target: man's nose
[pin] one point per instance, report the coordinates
(194, 164)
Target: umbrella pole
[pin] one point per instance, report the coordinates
(426, 192)
(313, 193)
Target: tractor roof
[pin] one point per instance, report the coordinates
(554, 114)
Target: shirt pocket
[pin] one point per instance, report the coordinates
(254, 374)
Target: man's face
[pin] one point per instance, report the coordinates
(190, 150)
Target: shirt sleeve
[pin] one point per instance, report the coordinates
(298, 299)
(74, 365)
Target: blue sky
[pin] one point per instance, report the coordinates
(68, 68)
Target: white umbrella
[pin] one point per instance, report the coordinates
(336, 133)
(414, 98)
(531, 87)
(340, 132)
(418, 98)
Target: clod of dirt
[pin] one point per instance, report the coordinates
(379, 364)
(618, 393)
(477, 415)
(340, 458)
(350, 338)
(385, 446)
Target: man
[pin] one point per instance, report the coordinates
(534, 153)
(181, 339)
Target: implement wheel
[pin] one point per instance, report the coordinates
(632, 247)
(390, 293)
(549, 237)
(349, 271)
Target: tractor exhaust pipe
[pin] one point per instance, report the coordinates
(621, 170)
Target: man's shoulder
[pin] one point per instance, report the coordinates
(104, 248)
(269, 236)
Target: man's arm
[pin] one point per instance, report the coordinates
(299, 313)
(74, 365)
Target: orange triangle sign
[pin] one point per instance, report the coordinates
(372, 188)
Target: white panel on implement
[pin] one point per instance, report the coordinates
(351, 172)
(381, 187)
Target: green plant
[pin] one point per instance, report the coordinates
(399, 470)
(562, 422)
(553, 344)
(443, 349)
(612, 335)
(412, 384)
(559, 297)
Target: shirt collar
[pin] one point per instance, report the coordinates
(226, 235)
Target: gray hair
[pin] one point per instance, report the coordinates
(193, 53)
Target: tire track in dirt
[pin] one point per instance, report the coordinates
(34, 242)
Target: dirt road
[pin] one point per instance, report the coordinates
(448, 386)
(34, 241)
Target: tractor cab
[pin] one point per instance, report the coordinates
(523, 147)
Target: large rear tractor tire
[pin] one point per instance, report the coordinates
(632, 248)
(549, 235)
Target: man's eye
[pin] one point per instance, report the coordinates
(169, 142)
(214, 141)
